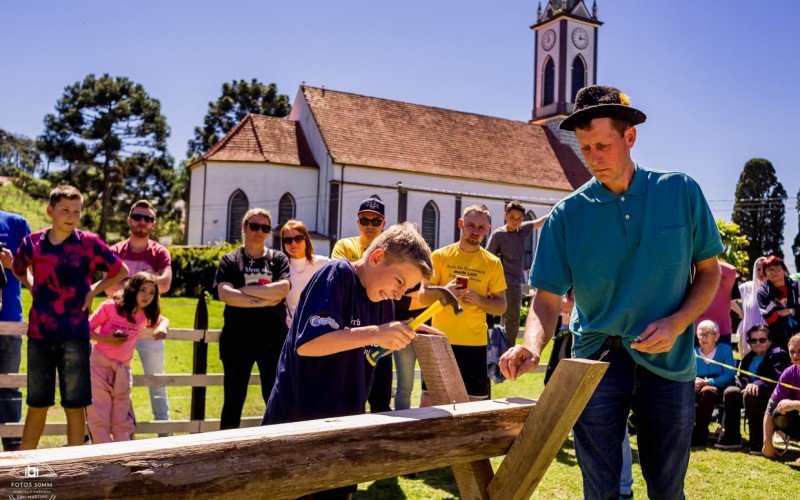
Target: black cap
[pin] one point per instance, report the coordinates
(373, 205)
(599, 101)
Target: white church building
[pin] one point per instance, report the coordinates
(425, 163)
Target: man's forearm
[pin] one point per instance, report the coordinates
(108, 282)
(541, 324)
(272, 291)
(164, 280)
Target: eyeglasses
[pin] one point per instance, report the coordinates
(705, 335)
(142, 217)
(297, 239)
(254, 226)
(761, 340)
(366, 221)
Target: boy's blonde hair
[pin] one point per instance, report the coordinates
(64, 192)
(402, 243)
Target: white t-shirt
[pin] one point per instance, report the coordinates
(300, 273)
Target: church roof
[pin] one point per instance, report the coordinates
(573, 9)
(369, 131)
(263, 138)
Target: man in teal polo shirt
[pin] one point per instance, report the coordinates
(639, 248)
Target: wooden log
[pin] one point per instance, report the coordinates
(279, 461)
(444, 385)
(545, 430)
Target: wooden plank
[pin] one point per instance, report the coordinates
(194, 335)
(212, 335)
(164, 379)
(445, 385)
(548, 425)
(280, 461)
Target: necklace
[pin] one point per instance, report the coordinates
(253, 259)
(296, 263)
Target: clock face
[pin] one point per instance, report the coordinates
(549, 39)
(580, 38)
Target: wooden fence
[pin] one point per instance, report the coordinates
(198, 380)
(292, 460)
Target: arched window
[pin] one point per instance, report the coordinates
(530, 243)
(237, 207)
(578, 75)
(549, 82)
(430, 224)
(286, 208)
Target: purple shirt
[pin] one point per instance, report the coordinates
(789, 376)
(62, 277)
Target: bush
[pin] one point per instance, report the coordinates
(523, 315)
(193, 268)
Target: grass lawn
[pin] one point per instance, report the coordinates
(712, 473)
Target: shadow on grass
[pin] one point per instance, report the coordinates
(566, 455)
(384, 488)
(441, 479)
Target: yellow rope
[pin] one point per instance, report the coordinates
(765, 379)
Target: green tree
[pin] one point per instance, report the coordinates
(735, 244)
(239, 98)
(111, 136)
(759, 209)
(18, 154)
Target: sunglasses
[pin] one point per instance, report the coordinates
(142, 217)
(297, 239)
(758, 341)
(254, 226)
(364, 221)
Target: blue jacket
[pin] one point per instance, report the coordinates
(718, 376)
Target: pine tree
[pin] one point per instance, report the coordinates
(111, 137)
(759, 209)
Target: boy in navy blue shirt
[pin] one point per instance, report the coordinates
(346, 307)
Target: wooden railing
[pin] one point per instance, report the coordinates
(198, 380)
(296, 459)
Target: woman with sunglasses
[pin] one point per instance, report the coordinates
(303, 263)
(751, 314)
(766, 361)
(779, 301)
(253, 282)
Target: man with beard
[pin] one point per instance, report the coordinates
(140, 253)
(476, 278)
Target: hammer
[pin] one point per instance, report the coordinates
(447, 298)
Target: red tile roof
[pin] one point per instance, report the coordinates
(369, 131)
(262, 138)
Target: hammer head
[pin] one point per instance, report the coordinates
(447, 298)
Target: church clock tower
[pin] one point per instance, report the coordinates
(565, 58)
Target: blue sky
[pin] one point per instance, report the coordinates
(718, 80)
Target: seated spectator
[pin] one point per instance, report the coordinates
(779, 301)
(765, 361)
(712, 379)
(783, 409)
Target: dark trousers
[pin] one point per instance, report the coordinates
(754, 408)
(704, 400)
(11, 397)
(380, 397)
(237, 364)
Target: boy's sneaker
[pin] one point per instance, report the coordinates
(728, 444)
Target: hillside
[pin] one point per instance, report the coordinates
(13, 199)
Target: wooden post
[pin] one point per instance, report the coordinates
(445, 386)
(548, 425)
(200, 359)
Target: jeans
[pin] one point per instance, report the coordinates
(404, 361)
(10, 398)
(151, 352)
(511, 316)
(70, 359)
(664, 412)
(626, 478)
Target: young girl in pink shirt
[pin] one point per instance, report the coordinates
(116, 326)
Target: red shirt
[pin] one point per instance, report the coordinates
(719, 311)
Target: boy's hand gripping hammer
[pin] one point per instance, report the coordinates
(447, 298)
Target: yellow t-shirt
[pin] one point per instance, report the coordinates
(350, 249)
(485, 273)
